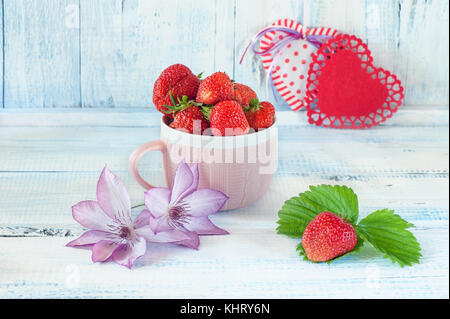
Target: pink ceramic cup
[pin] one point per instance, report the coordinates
(241, 166)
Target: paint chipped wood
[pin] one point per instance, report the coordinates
(50, 161)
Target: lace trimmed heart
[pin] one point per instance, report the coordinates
(345, 90)
(291, 63)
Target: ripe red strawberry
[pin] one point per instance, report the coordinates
(215, 88)
(260, 115)
(228, 118)
(177, 79)
(328, 236)
(243, 94)
(190, 120)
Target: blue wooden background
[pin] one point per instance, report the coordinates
(107, 53)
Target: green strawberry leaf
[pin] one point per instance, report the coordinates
(340, 200)
(384, 230)
(172, 98)
(206, 111)
(294, 217)
(387, 232)
(302, 252)
(300, 210)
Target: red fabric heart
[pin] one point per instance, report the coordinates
(345, 90)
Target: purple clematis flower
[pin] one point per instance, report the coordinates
(113, 234)
(185, 208)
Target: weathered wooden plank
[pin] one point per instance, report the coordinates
(101, 53)
(347, 16)
(406, 153)
(423, 51)
(41, 53)
(1, 56)
(393, 30)
(224, 55)
(266, 266)
(417, 116)
(120, 41)
(382, 25)
(65, 162)
(376, 22)
(251, 16)
(126, 45)
(44, 199)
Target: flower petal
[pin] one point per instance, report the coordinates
(157, 200)
(182, 183)
(113, 196)
(142, 224)
(196, 176)
(204, 226)
(126, 254)
(160, 224)
(178, 237)
(143, 219)
(169, 234)
(88, 238)
(204, 202)
(102, 250)
(90, 215)
(193, 241)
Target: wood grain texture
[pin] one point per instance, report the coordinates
(423, 59)
(348, 15)
(107, 53)
(401, 35)
(248, 23)
(41, 53)
(47, 165)
(126, 45)
(248, 263)
(1, 55)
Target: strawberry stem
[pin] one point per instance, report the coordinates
(253, 105)
(172, 98)
(179, 105)
(206, 111)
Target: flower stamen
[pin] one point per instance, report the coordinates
(179, 215)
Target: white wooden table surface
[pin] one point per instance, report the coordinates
(50, 161)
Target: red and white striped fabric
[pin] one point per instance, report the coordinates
(291, 63)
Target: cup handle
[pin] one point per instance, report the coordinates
(137, 155)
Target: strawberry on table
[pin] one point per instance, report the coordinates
(215, 88)
(328, 236)
(177, 79)
(243, 94)
(228, 118)
(260, 115)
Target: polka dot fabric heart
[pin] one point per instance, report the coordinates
(345, 89)
(291, 63)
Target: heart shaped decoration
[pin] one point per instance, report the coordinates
(344, 88)
(291, 62)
